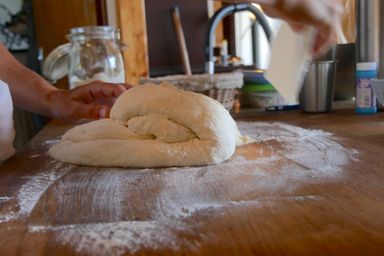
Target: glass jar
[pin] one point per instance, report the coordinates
(95, 54)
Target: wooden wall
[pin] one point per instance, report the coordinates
(163, 50)
(54, 18)
(146, 27)
(131, 20)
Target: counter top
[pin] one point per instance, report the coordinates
(307, 185)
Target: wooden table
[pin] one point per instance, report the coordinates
(308, 185)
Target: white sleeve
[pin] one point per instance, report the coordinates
(7, 132)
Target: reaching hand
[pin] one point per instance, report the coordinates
(323, 15)
(91, 101)
(31, 92)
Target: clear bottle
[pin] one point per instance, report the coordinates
(365, 97)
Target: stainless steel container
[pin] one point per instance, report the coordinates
(370, 32)
(318, 87)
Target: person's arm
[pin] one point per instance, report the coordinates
(323, 15)
(33, 93)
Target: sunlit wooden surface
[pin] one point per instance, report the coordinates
(309, 185)
(132, 23)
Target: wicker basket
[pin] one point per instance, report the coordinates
(222, 87)
(225, 96)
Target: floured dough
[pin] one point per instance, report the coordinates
(153, 126)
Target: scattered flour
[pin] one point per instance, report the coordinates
(35, 187)
(302, 157)
(313, 149)
(10, 216)
(5, 199)
(289, 157)
(117, 238)
(31, 191)
(50, 142)
(6, 213)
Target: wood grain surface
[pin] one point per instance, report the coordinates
(133, 27)
(307, 185)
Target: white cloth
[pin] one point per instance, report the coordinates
(7, 132)
(290, 59)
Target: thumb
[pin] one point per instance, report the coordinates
(92, 111)
(103, 111)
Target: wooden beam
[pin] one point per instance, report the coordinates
(220, 28)
(132, 23)
(101, 12)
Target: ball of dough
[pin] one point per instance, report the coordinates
(153, 126)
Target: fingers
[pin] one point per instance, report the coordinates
(89, 111)
(92, 101)
(127, 86)
(323, 16)
(98, 111)
(296, 27)
(98, 90)
(323, 41)
(320, 46)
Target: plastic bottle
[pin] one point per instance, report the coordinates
(365, 97)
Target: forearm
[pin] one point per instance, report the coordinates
(29, 90)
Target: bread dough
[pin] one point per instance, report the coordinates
(153, 126)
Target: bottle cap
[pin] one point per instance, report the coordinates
(365, 66)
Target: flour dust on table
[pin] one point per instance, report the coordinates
(153, 126)
(271, 172)
(31, 191)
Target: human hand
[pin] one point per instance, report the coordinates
(323, 15)
(90, 101)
